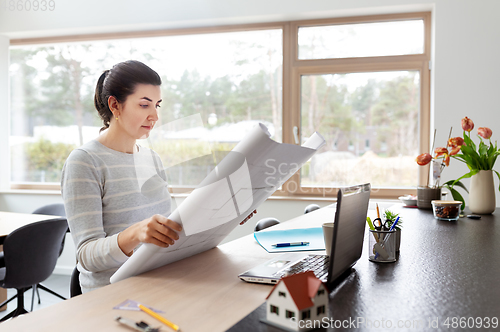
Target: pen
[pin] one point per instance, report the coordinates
(160, 318)
(394, 225)
(290, 244)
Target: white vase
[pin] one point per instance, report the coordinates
(482, 193)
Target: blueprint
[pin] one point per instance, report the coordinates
(239, 184)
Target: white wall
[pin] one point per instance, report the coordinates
(465, 53)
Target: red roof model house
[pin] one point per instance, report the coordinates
(296, 300)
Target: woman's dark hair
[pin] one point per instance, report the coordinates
(120, 82)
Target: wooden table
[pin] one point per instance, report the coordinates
(445, 269)
(10, 221)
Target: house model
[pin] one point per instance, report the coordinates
(295, 300)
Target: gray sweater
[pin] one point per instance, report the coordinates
(104, 192)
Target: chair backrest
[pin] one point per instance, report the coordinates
(31, 252)
(265, 223)
(51, 210)
(311, 208)
(56, 209)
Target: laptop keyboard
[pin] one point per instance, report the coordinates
(316, 263)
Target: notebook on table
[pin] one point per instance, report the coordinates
(347, 244)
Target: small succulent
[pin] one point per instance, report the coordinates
(391, 218)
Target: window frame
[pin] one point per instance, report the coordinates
(296, 68)
(293, 69)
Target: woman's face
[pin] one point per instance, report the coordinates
(139, 113)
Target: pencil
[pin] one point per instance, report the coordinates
(378, 212)
(160, 318)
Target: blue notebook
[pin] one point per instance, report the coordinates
(312, 235)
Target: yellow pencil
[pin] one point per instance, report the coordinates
(378, 212)
(160, 318)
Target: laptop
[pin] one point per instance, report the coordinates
(347, 244)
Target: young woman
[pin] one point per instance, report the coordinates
(109, 207)
(108, 213)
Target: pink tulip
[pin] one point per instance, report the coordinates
(467, 124)
(455, 149)
(456, 141)
(447, 159)
(443, 152)
(440, 151)
(423, 159)
(484, 132)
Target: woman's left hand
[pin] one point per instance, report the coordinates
(248, 218)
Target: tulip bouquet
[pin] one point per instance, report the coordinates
(476, 158)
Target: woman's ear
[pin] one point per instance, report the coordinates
(114, 106)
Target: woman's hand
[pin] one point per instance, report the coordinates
(248, 218)
(157, 230)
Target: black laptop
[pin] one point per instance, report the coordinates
(347, 244)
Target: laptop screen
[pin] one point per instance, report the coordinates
(349, 229)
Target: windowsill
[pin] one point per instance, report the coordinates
(30, 192)
(272, 198)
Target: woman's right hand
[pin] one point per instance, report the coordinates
(157, 230)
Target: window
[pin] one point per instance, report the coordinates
(362, 82)
(275, 310)
(289, 314)
(216, 87)
(320, 310)
(282, 294)
(321, 292)
(352, 110)
(306, 314)
(361, 39)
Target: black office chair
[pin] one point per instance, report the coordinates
(30, 255)
(265, 223)
(51, 210)
(74, 287)
(311, 208)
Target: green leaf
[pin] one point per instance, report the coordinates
(491, 149)
(459, 157)
(483, 149)
(498, 175)
(457, 197)
(469, 141)
(453, 183)
(468, 175)
(471, 156)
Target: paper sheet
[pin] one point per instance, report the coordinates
(239, 184)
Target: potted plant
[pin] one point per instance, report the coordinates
(480, 160)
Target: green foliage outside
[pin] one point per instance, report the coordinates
(47, 157)
(188, 162)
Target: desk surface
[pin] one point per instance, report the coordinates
(10, 221)
(446, 269)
